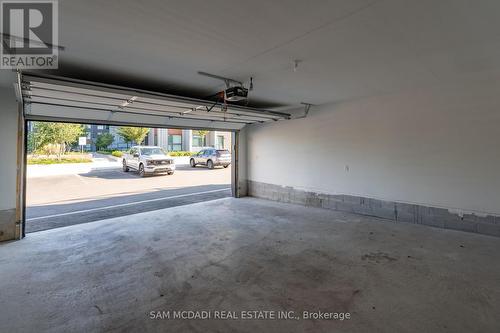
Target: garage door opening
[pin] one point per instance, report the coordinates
(86, 191)
(79, 173)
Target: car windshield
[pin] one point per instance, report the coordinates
(152, 151)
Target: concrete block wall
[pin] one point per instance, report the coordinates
(429, 156)
(394, 211)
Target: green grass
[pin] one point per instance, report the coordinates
(180, 153)
(64, 160)
(74, 153)
(117, 153)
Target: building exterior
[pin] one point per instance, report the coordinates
(118, 142)
(167, 138)
(187, 140)
(93, 132)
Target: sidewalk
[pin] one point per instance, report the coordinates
(34, 171)
(99, 163)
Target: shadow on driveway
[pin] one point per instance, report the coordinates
(45, 217)
(113, 174)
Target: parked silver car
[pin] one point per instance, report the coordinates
(211, 157)
(148, 160)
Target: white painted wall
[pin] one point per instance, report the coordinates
(437, 147)
(242, 160)
(8, 148)
(163, 138)
(8, 153)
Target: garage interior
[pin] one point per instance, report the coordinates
(365, 181)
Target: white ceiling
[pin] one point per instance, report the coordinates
(349, 48)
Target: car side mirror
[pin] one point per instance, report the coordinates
(136, 155)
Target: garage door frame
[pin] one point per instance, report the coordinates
(23, 149)
(22, 161)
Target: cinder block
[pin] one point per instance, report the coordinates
(361, 209)
(376, 203)
(435, 211)
(428, 216)
(459, 224)
(351, 199)
(345, 207)
(432, 221)
(299, 197)
(7, 224)
(401, 212)
(383, 209)
(488, 229)
(487, 219)
(313, 200)
(336, 197)
(470, 218)
(384, 213)
(328, 203)
(443, 218)
(406, 212)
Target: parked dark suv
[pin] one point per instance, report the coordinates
(211, 157)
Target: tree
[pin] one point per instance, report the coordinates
(202, 134)
(32, 142)
(55, 134)
(103, 141)
(133, 134)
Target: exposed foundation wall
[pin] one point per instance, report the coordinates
(395, 211)
(435, 147)
(8, 153)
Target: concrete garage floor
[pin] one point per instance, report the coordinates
(250, 254)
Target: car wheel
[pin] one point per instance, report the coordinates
(125, 167)
(225, 166)
(170, 173)
(142, 173)
(210, 164)
(191, 162)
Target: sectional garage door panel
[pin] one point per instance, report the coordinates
(86, 115)
(65, 99)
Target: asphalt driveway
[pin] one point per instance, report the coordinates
(79, 197)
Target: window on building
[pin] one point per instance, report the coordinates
(220, 142)
(174, 142)
(100, 127)
(198, 141)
